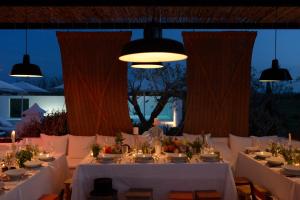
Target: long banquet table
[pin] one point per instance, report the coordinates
(282, 187)
(162, 178)
(43, 180)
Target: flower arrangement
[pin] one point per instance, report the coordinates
(274, 148)
(173, 145)
(196, 145)
(34, 149)
(114, 149)
(95, 150)
(290, 155)
(147, 148)
(117, 147)
(119, 139)
(22, 156)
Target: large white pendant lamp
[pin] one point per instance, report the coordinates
(153, 48)
(154, 65)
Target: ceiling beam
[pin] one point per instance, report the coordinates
(149, 3)
(143, 25)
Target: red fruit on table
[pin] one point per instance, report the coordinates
(108, 150)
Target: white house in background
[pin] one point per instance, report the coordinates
(11, 105)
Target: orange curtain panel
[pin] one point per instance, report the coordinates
(95, 82)
(218, 82)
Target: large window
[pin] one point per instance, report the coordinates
(17, 106)
(147, 104)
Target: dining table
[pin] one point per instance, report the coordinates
(36, 182)
(161, 177)
(281, 186)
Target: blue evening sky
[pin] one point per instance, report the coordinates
(44, 50)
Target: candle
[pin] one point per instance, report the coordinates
(290, 139)
(157, 149)
(135, 130)
(13, 136)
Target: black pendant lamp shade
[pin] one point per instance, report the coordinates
(275, 73)
(26, 69)
(154, 65)
(153, 48)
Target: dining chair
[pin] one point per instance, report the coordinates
(181, 195)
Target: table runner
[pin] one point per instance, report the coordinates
(161, 177)
(279, 185)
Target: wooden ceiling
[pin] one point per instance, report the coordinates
(138, 16)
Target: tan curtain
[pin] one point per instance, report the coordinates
(95, 82)
(218, 82)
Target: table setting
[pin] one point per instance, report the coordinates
(162, 168)
(276, 168)
(21, 163)
(173, 151)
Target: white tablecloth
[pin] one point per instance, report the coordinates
(45, 180)
(162, 178)
(279, 185)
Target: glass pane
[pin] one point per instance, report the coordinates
(16, 107)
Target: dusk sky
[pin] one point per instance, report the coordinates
(44, 50)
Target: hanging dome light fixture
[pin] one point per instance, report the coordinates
(26, 69)
(275, 73)
(153, 48)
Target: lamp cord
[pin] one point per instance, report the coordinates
(275, 43)
(26, 41)
(275, 31)
(26, 29)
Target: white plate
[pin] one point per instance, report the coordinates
(33, 164)
(182, 159)
(263, 154)
(107, 160)
(275, 160)
(252, 149)
(144, 160)
(144, 156)
(171, 154)
(109, 155)
(291, 168)
(209, 155)
(15, 172)
(176, 155)
(46, 158)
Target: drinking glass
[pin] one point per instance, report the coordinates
(124, 149)
(256, 143)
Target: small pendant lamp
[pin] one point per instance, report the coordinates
(153, 48)
(26, 69)
(275, 73)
